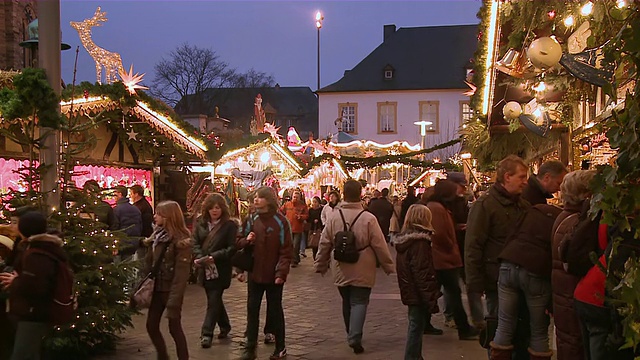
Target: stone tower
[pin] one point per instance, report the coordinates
(15, 16)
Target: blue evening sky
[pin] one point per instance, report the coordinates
(276, 37)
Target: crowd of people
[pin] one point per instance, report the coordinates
(519, 260)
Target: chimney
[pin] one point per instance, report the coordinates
(388, 31)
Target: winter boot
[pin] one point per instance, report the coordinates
(534, 355)
(248, 354)
(499, 352)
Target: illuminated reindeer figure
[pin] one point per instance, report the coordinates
(110, 60)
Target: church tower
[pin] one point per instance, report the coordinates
(15, 16)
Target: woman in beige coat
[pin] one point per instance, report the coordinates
(354, 280)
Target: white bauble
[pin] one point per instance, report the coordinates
(512, 110)
(544, 53)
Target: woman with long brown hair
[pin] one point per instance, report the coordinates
(171, 247)
(215, 243)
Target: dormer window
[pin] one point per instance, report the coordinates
(388, 72)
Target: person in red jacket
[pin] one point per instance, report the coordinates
(598, 317)
(296, 212)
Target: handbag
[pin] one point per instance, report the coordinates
(141, 298)
(489, 332)
(243, 259)
(314, 238)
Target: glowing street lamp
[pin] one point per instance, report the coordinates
(423, 132)
(319, 18)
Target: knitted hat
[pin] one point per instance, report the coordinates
(32, 223)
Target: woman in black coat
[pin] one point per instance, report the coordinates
(214, 238)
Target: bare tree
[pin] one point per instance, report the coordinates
(253, 79)
(188, 71)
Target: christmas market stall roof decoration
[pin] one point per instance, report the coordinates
(140, 108)
(268, 153)
(368, 148)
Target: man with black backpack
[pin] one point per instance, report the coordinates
(357, 241)
(34, 286)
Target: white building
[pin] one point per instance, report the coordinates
(415, 74)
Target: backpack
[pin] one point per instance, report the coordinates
(345, 249)
(64, 305)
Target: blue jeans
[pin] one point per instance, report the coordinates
(450, 281)
(303, 242)
(355, 300)
(297, 241)
(513, 281)
(417, 321)
(29, 339)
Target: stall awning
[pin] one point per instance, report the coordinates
(94, 105)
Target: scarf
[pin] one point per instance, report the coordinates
(161, 236)
(503, 192)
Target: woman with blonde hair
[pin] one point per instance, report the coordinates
(575, 194)
(419, 289)
(215, 243)
(170, 247)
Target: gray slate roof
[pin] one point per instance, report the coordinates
(434, 57)
(295, 105)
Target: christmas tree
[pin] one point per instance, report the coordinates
(101, 283)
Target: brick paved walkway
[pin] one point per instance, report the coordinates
(314, 327)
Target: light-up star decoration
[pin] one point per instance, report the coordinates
(272, 130)
(132, 135)
(131, 81)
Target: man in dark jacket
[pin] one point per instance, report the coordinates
(382, 209)
(409, 200)
(102, 210)
(31, 285)
(136, 193)
(129, 219)
(547, 182)
(492, 218)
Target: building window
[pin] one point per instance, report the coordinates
(388, 74)
(387, 117)
(466, 113)
(429, 111)
(348, 113)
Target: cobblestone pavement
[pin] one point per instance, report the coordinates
(314, 327)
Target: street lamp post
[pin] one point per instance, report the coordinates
(423, 132)
(319, 18)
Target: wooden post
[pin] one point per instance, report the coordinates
(49, 60)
